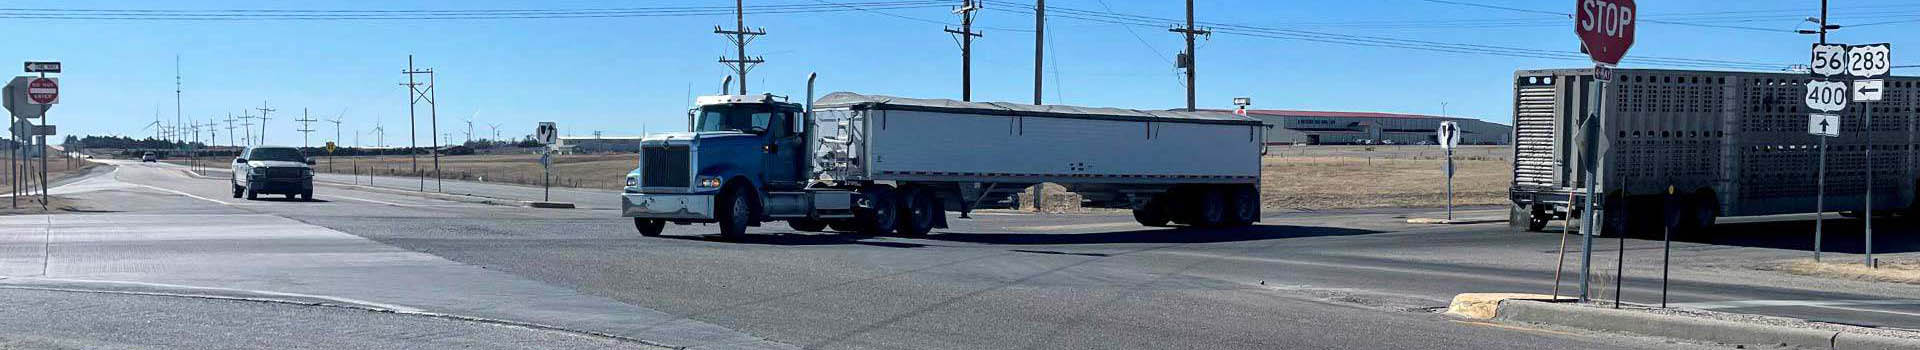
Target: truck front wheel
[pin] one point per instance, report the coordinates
(736, 212)
(649, 227)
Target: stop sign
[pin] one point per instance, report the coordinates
(43, 91)
(1605, 28)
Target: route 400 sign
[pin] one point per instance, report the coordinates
(1827, 96)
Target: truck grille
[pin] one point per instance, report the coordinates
(283, 173)
(1533, 159)
(665, 167)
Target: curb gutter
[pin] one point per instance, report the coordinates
(1719, 331)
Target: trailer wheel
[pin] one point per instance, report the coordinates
(807, 225)
(916, 212)
(1244, 205)
(1705, 208)
(649, 227)
(880, 219)
(736, 212)
(1153, 213)
(1209, 207)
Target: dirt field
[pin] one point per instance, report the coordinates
(1295, 177)
(58, 169)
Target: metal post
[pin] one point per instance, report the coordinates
(433, 113)
(1449, 184)
(1868, 106)
(1666, 255)
(1039, 47)
(1820, 201)
(1589, 226)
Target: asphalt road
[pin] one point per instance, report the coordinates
(1341, 280)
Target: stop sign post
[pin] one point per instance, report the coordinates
(1605, 28)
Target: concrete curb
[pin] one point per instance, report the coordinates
(1711, 330)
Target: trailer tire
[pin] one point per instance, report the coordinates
(1243, 204)
(916, 212)
(1153, 213)
(649, 227)
(881, 218)
(735, 212)
(1705, 209)
(807, 225)
(1209, 207)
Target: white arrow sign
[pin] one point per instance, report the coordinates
(1827, 96)
(1449, 134)
(1870, 90)
(1824, 125)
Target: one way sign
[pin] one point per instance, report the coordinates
(1824, 125)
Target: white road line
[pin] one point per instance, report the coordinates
(27, 281)
(1078, 226)
(1709, 305)
(190, 195)
(375, 201)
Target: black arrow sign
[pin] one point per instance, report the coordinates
(1823, 126)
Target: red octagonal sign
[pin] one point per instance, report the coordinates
(43, 91)
(1605, 28)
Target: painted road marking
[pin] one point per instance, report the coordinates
(1078, 226)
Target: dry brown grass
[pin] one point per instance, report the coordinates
(1897, 271)
(1310, 177)
(57, 169)
(1353, 177)
(604, 171)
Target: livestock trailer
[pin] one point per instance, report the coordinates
(1725, 144)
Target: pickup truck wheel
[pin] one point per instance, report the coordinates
(252, 194)
(916, 212)
(1153, 213)
(649, 227)
(880, 219)
(1209, 207)
(735, 213)
(805, 225)
(306, 196)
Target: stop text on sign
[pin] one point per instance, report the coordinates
(1605, 17)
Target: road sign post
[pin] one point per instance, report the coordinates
(1449, 137)
(1606, 31)
(1869, 63)
(548, 134)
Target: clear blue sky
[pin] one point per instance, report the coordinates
(620, 75)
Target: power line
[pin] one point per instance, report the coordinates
(482, 14)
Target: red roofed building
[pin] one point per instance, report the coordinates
(1338, 128)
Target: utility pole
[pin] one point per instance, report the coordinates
(414, 95)
(1186, 58)
(965, 35)
(176, 98)
(306, 128)
(1039, 47)
(264, 110)
(740, 36)
(336, 139)
(230, 142)
(433, 115)
(246, 125)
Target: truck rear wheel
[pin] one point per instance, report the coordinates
(735, 212)
(1209, 207)
(880, 218)
(916, 212)
(649, 227)
(1243, 204)
(1153, 213)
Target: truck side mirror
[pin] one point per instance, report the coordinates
(310, 161)
(799, 123)
(239, 161)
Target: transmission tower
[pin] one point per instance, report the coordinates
(741, 36)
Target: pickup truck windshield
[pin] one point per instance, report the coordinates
(279, 154)
(748, 119)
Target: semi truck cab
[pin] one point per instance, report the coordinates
(743, 162)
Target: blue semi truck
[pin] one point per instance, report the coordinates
(877, 164)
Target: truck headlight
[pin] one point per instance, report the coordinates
(709, 182)
(633, 181)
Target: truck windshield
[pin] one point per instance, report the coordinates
(748, 119)
(279, 154)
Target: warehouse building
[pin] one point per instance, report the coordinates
(1350, 128)
(598, 144)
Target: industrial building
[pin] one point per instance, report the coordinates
(1348, 128)
(598, 144)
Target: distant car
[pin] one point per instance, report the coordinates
(149, 157)
(272, 170)
(1386, 142)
